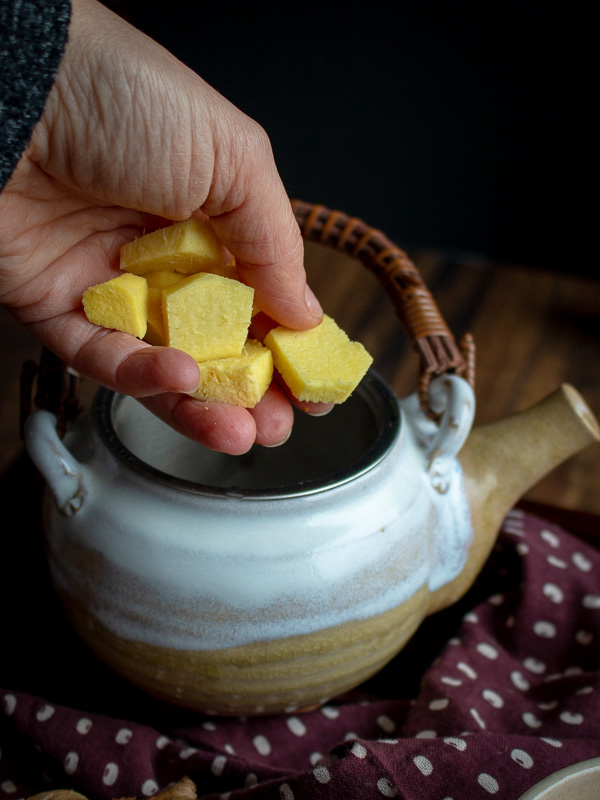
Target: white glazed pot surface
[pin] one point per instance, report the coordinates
(177, 549)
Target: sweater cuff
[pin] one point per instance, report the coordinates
(33, 35)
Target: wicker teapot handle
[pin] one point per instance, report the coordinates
(439, 353)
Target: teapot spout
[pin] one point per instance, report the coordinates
(501, 461)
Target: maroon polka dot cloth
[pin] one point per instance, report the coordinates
(488, 698)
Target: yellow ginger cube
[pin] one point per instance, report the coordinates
(162, 279)
(228, 271)
(320, 365)
(241, 380)
(184, 247)
(119, 303)
(207, 315)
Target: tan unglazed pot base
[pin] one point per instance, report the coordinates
(280, 676)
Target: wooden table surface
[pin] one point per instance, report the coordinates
(533, 330)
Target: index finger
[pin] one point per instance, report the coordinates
(255, 222)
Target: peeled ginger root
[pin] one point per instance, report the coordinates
(320, 365)
(184, 247)
(176, 291)
(241, 380)
(120, 303)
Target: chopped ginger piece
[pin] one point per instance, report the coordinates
(207, 316)
(185, 247)
(241, 380)
(119, 303)
(320, 365)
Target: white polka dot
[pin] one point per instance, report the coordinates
(229, 749)
(84, 725)
(582, 562)
(296, 726)
(10, 703)
(251, 780)
(45, 713)
(162, 742)
(477, 717)
(547, 706)
(285, 792)
(493, 698)
(531, 720)
(209, 726)
(331, 712)
(149, 788)
(522, 758)
(123, 736)
(387, 724)
(514, 530)
(553, 592)
(322, 774)
(488, 783)
(423, 764)
(386, 788)
(359, 750)
(573, 671)
(350, 735)
(187, 752)
(522, 548)
(459, 744)
(426, 734)
(395, 741)
(551, 742)
(218, 765)
(471, 616)
(71, 763)
(451, 681)
(439, 704)
(591, 601)
(262, 744)
(550, 538)
(315, 757)
(111, 773)
(454, 641)
(487, 650)
(535, 666)
(468, 671)
(8, 787)
(544, 629)
(585, 690)
(556, 562)
(571, 719)
(584, 637)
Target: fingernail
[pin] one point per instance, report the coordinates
(312, 303)
(319, 413)
(278, 444)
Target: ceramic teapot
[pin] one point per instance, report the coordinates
(274, 581)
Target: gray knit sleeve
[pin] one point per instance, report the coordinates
(33, 34)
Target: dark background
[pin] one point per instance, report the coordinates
(459, 125)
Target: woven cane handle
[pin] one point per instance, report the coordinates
(418, 312)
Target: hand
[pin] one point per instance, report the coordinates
(129, 141)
